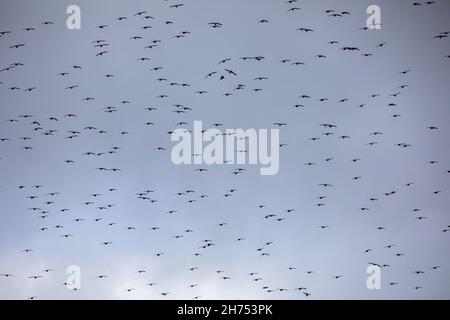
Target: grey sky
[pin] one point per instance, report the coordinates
(298, 241)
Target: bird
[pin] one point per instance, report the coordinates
(6, 275)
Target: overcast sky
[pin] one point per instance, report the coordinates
(416, 115)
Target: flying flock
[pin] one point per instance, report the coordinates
(49, 213)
